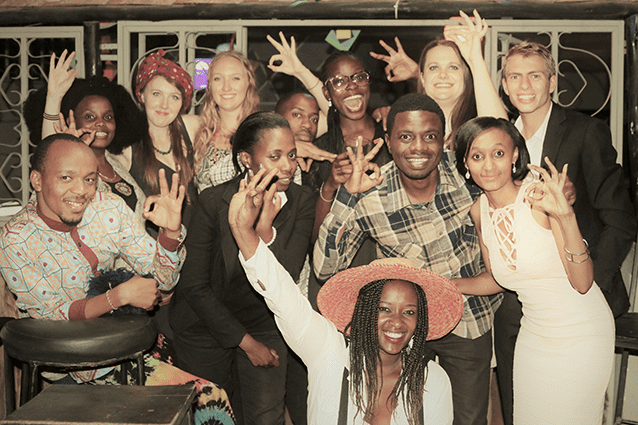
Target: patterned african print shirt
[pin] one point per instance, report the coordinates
(438, 235)
(49, 269)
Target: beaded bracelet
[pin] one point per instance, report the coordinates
(109, 300)
(274, 236)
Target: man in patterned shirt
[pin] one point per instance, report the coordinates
(69, 233)
(417, 207)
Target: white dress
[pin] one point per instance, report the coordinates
(564, 351)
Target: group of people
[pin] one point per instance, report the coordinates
(435, 223)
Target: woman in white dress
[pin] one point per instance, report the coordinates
(532, 245)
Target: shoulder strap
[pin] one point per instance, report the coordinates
(343, 402)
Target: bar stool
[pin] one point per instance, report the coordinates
(72, 345)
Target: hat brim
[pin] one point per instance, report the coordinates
(338, 296)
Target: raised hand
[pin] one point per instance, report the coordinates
(548, 195)
(290, 63)
(87, 136)
(246, 204)
(468, 36)
(61, 76)
(269, 210)
(400, 66)
(167, 206)
(360, 181)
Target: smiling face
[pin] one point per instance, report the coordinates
(490, 159)
(162, 101)
(96, 113)
(228, 82)
(276, 148)
(416, 144)
(528, 84)
(397, 317)
(352, 101)
(67, 183)
(302, 113)
(443, 76)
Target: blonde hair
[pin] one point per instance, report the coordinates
(209, 113)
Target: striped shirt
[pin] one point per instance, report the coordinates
(438, 235)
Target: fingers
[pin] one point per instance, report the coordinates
(378, 143)
(274, 42)
(380, 57)
(163, 183)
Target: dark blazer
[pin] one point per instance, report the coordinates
(213, 291)
(605, 214)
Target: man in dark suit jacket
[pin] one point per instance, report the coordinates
(603, 209)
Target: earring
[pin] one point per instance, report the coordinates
(329, 104)
(467, 175)
(513, 168)
(408, 347)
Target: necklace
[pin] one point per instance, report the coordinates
(108, 179)
(170, 149)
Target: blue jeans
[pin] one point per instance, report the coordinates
(256, 393)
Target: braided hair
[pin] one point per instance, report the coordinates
(364, 355)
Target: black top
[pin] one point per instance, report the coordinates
(320, 170)
(213, 289)
(137, 171)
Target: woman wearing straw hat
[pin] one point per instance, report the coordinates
(376, 372)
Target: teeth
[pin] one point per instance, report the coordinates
(100, 134)
(418, 161)
(394, 335)
(354, 102)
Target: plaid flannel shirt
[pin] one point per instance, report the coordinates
(439, 235)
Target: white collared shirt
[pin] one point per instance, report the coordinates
(535, 143)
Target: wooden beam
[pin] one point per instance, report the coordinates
(317, 9)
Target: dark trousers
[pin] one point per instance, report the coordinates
(507, 322)
(256, 393)
(467, 363)
(297, 389)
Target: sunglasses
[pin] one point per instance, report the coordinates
(340, 82)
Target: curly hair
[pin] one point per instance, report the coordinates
(130, 122)
(209, 113)
(364, 355)
(465, 108)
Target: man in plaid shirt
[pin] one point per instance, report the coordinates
(417, 207)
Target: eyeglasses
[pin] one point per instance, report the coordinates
(340, 82)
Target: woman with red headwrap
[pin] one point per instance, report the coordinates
(165, 91)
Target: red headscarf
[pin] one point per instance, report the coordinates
(156, 64)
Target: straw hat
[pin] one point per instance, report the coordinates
(337, 298)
